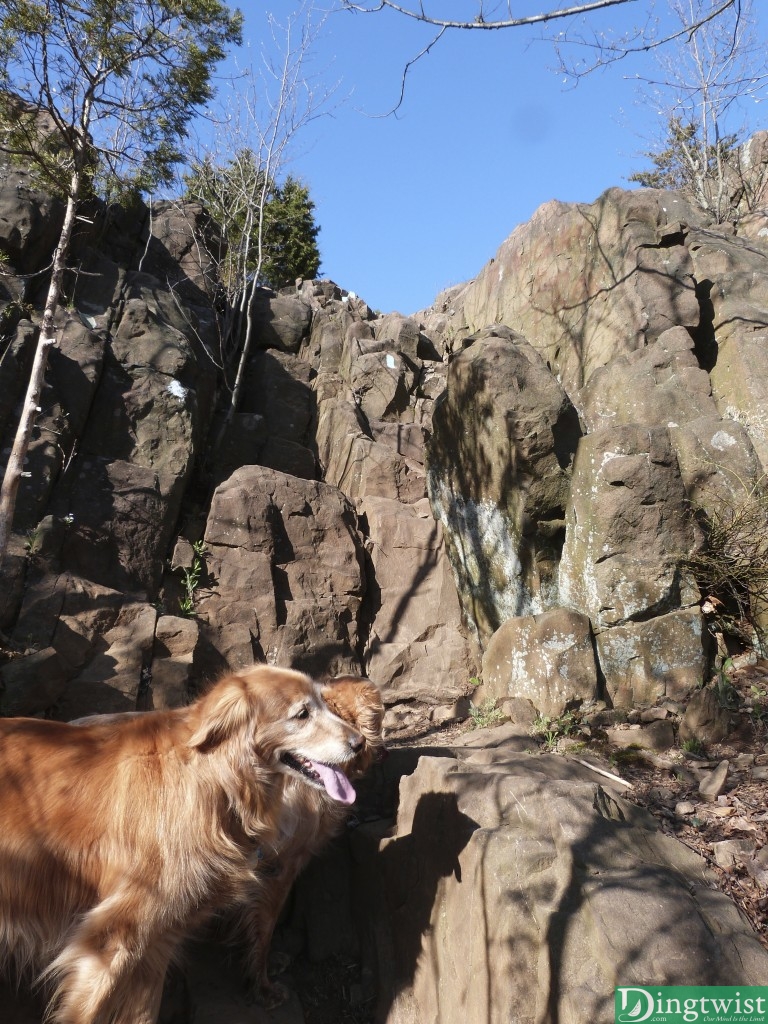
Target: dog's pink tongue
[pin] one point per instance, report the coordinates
(336, 783)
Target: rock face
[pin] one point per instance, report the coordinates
(504, 435)
(504, 479)
(517, 887)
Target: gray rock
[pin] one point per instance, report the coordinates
(714, 783)
(547, 659)
(588, 887)
(626, 529)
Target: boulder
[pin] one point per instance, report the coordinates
(284, 573)
(663, 656)
(516, 887)
(119, 525)
(113, 678)
(661, 385)
(280, 321)
(351, 459)
(705, 719)
(170, 677)
(546, 659)
(718, 463)
(417, 648)
(504, 434)
(380, 379)
(626, 528)
(734, 271)
(30, 220)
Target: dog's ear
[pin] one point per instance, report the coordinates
(358, 702)
(221, 713)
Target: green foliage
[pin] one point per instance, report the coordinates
(552, 729)
(682, 155)
(485, 713)
(269, 229)
(290, 235)
(190, 579)
(106, 87)
(693, 746)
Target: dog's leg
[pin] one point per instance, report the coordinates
(258, 919)
(138, 997)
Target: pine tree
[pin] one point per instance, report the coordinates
(290, 235)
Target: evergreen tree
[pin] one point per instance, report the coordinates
(269, 229)
(290, 235)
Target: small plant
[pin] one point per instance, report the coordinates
(190, 579)
(732, 567)
(32, 541)
(485, 713)
(553, 729)
(693, 746)
(727, 694)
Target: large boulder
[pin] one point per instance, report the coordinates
(504, 435)
(626, 529)
(516, 887)
(733, 270)
(547, 659)
(417, 647)
(284, 577)
(666, 656)
(661, 385)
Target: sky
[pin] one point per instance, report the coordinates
(414, 202)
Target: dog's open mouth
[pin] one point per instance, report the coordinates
(332, 779)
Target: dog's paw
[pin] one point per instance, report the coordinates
(271, 994)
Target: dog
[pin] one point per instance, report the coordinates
(311, 817)
(118, 837)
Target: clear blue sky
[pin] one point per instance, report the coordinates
(488, 131)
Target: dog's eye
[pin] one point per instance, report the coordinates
(303, 712)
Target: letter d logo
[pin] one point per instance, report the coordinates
(633, 1005)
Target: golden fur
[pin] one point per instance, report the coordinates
(311, 818)
(120, 835)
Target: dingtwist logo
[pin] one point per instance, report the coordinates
(700, 1004)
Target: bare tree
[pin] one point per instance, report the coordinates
(255, 136)
(700, 90)
(498, 15)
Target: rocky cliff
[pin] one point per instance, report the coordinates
(499, 486)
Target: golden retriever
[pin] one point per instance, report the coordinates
(118, 836)
(311, 816)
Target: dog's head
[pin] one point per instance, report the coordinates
(358, 702)
(281, 719)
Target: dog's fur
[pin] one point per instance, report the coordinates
(311, 818)
(118, 836)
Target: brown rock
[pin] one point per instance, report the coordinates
(705, 719)
(546, 659)
(714, 783)
(504, 434)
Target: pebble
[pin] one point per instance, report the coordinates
(684, 807)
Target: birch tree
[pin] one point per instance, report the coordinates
(98, 93)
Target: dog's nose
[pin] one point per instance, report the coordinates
(356, 742)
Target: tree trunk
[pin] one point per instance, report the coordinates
(31, 407)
